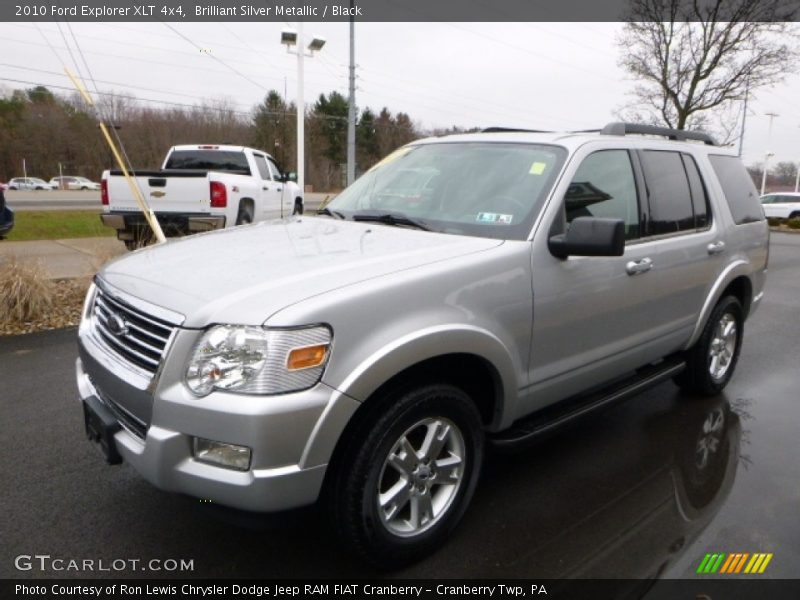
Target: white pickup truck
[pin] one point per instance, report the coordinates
(200, 188)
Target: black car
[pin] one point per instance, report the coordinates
(6, 216)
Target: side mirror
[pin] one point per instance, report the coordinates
(290, 177)
(590, 236)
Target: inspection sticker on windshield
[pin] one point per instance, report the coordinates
(494, 218)
(538, 168)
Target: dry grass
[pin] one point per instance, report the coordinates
(25, 291)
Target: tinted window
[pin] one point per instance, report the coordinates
(769, 199)
(261, 165)
(669, 195)
(209, 160)
(740, 192)
(699, 197)
(604, 186)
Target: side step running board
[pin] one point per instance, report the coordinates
(563, 412)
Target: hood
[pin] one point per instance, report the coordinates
(246, 274)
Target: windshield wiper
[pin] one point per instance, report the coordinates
(390, 218)
(331, 213)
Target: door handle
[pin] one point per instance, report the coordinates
(716, 247)
(265, 188)
(634, 267)
(280, 189)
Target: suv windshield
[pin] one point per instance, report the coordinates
(469, 188)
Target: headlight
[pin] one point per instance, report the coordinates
(254, 360)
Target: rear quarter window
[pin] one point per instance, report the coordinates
(740, 192)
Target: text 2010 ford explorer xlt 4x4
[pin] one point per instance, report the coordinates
(366, 357)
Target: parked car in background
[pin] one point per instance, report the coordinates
(200, 188)
(785, 205)
(29, 183)
(72, 182)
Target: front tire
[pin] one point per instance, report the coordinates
(710, 363)
(298, 207)
(408, 474)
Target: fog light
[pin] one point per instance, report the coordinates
(225, 455)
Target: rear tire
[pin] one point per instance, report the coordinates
(244, 217)
(142, 236)
(710, 363)
(407, 475)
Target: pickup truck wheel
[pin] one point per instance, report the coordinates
(407, 478)
(711, 361)
(298, 207)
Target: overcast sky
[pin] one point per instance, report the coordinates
(534, 75)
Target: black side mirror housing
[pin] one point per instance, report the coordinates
(590, 236)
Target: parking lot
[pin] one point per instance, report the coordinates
(615, 495)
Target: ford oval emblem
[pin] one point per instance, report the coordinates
(117, 325)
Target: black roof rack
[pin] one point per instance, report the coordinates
(512, 130)
(680, 135)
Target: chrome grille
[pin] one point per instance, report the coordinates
(138, 338)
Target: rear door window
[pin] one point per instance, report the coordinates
(740, 192)
(671, 207)
(261, 165)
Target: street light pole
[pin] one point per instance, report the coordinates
(301, 114)
(295, 38)
(771, 116)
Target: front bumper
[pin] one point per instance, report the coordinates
(291, 436)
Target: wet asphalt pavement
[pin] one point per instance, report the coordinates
(644, 488)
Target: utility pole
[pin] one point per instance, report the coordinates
(351, 105)
(771, 116)
(797, 177)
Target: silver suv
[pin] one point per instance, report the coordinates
(467, 291)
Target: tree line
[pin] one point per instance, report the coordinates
(48, 130)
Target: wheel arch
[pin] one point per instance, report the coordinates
(247, 203)
(735, 281)
(473, 374)
(487, 376)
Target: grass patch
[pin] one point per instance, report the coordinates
(57, 225)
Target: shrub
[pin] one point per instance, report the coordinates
(794, 223)
(774, 221)
(25, 291)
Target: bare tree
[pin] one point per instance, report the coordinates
(693, 59)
